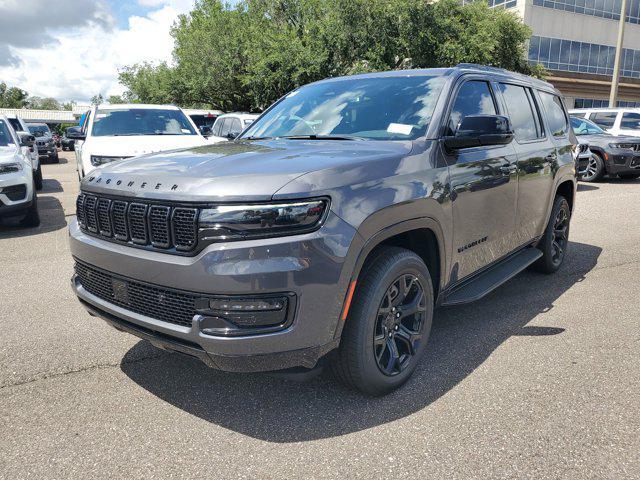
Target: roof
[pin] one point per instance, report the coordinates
(195, 111)
(605, 109)
(240, 114)
(119, 106)
(48, 116)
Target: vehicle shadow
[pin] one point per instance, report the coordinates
(50, 185)
(584, 187)
(277, 410)
(52, 217)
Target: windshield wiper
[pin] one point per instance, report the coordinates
(320, 137)
(255, 138)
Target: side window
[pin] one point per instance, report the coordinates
(522, 112)
(604, 119)
(474, 98)
(236, 128)
(217, 126)
(556, 116)
(630, 120)
(226, 127)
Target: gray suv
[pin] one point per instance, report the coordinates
(331, 229)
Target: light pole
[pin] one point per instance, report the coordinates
(613, 96)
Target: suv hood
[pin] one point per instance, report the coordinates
(234, 171)
(135, 145)
(603, 140)
(9, 154)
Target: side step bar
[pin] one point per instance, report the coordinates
(476, 288)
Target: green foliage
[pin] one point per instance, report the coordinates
(38, 103)
(12, 97)
(246, 57)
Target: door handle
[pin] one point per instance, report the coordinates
(508, 169)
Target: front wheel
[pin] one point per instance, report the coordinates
(55, 158)
(555, 240)
(32, 218)
(37, 177)
(389, 322)
(595, 169)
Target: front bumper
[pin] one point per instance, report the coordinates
(11, 202)
(314, 267)
(623, 161)
(46, 151)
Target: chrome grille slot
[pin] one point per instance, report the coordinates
(104, 219)
(138, 223)
(184, 227)
(90, 203)
(159, 229)
(119, 220)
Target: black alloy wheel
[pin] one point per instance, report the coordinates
(560, 235)
(398, 330)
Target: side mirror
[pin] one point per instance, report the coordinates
(75, 133)
(27, 140)
(481, 130)
(206, 130)
(232, 136)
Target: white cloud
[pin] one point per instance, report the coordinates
(85, 57)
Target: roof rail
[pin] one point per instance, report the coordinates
(503, 71)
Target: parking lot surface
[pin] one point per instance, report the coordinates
(541, 379)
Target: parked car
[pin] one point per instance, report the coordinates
(56, 139)
(611, 154)
(21, 127)
(583, 158)
(616, 121)
(18, 196)
(44, 141)
(230, 125)
(334, 224)
(204, 119)
(116, 132)
(67, 143)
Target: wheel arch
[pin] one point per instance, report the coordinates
(567, 189)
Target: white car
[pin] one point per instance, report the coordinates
(230, 125)
(20, 126)
(17, 188)
(116, 132)
(616, 121)
(204, 119)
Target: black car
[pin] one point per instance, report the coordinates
(67, 143)
(611, 154)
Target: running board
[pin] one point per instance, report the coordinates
(492, 278)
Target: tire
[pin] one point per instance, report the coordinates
(629, 176)
(595, 169)
(55, 158)
(555, 240)
(64, 149)
(37, 177)
(366, 347)
(32, 218)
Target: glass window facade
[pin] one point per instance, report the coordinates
(602, 103)
(582, 57)
(597, 8)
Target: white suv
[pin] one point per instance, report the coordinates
(616, 121)
(17, 188)
(230, 125)
(115, 132)
(20, 126)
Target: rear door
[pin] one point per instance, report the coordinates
(483, 186)
(630, 124)
(536, 157)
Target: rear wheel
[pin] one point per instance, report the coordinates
(388, 326)
(54, 158)
(555, 240)
(595, 169)
(629, 176)
(37, 177)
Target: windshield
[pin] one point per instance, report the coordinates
(582, 126)
(140, 121)
(203, 120)
(39, 130)
(379, 108)
(5, 136)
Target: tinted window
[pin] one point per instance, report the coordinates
(236, 128)
(474, 98)
(226, 127)
(15, 124)
(604, 119)
(630, 120)
(39, 130)
(556, 117)
(374, 108)
(140, 121)
(582, 126)
(202, 120)
(217, 126)
(521, 112)
(5, 135)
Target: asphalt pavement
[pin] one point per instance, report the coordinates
(541, 379)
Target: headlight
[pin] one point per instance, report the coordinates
(10, 168)
(243, 222)
(97, 160)
(625, 146)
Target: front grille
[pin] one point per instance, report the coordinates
(146, 224)
(152, 301)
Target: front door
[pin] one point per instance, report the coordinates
(483, 188)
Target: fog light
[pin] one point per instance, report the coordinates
(248, 305)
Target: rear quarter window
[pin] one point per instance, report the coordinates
(630, 120)
(556, 116)
(604, 119)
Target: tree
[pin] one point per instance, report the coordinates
(12, 97)
(38, 103)
(97, 99)
(115, 99)
(246, 57)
